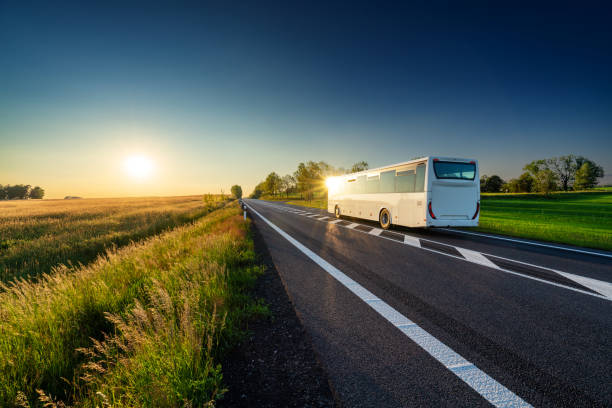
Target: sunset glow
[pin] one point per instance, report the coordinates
(138, 167)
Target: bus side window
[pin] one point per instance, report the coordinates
(404, 181)
(420, 178)
(350, 186)
(373, 184)
(387, 182)
(361, 185)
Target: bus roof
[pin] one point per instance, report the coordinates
(419, 160)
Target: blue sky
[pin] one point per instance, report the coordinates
(220, 93)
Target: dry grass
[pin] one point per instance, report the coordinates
(36, 236)
(169, 306)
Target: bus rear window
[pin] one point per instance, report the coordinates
(454, 170)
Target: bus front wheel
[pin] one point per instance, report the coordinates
(337, 212)
(384, 218)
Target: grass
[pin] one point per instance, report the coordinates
(170, 306)
(574, 218)
(37, 235)
(319, 201)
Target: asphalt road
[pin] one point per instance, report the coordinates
(435, 318)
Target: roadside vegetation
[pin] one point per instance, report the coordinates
(575, 218)
(169, 306)
(36, 236)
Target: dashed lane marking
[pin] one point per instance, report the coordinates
(478, 380)
(581, 284)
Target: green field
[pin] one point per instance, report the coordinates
(574, 218)
(170, 305)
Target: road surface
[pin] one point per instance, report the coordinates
(434, 318)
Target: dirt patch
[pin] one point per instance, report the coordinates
(276, 365)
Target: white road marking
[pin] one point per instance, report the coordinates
(476, 257)
(478, 380)
(582, 251)
(412, 241)
(322, 218)
(375, 231)
(603, 289)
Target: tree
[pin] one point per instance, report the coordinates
(594, 171)
(3, 192)
(287, 184)
(308, 178)
(546, 181)
(37, 193)
(535, 166)
(18, 191)
(523, 184)
(359, 166)
(257, 191)
(585, 177)
(565, 169)
(272, 183)
(491, 184)
(236, 191)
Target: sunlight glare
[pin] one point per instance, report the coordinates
(138, 167)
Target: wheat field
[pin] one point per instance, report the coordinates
(38, 235)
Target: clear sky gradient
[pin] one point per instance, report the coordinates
(219, 94)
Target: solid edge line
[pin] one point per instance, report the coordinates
(582, 251)
(478, 380)
(415, 242)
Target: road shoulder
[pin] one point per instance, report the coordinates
(276, 364)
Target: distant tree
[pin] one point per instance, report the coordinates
(18, 191)
(287, 184)
(272, 183)
(585, 177)
(594, 172)
(3, 192)
(37, 193)
(565, 169)
(491, 184)
(535, 167)
(525, 183)
(546, 181)
(359, 166)
(309, 177)
(236, 191)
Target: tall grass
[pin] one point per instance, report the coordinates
(38, 235)
(169, 306)
(576, 218)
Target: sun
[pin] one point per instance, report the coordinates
(138, 166)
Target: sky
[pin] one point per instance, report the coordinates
(222, 93)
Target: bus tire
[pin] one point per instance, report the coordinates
(384, 218)
(337, 212)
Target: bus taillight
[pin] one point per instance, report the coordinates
(431, 211)
(477, 209)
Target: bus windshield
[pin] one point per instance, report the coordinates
(454, 170)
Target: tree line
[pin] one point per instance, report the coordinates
(546, 175)
(306, 180)
(20, 192)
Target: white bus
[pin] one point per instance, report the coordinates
(426, 192)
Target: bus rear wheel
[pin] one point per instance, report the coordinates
(384, 219)
(337, 212)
